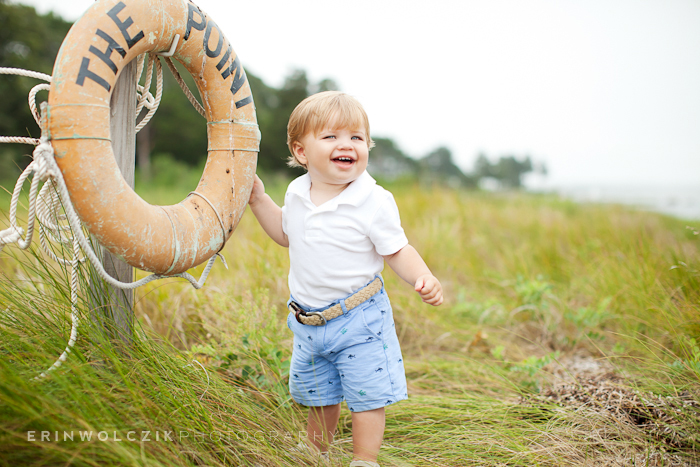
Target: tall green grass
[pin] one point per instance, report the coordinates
(532, 284)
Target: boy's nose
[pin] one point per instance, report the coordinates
(344, 143)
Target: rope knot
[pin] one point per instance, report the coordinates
(43, 158)
(148, 100)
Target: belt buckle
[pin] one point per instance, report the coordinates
(299, 312)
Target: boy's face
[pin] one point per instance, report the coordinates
(333, 156)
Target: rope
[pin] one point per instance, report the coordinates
(19, 140)
(221, 223)
(32, 100)
(32, 103)
(43, 208)
(146, 99)
(48, 157)
(21, 72)
(53, 194)
(185, 89)
(11, 235)
(66, 228)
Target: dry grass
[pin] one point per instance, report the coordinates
(566, 337)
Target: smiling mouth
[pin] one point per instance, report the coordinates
(344, 160)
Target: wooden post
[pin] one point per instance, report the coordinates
(116, 312)
(143, 152)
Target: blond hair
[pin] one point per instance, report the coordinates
(316, 112)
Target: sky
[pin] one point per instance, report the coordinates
(602, 92)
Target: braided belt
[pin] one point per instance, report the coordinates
(320, 318)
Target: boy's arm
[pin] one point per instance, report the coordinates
(409, 265)
(268, 214)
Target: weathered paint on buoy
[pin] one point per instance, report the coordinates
(160, 239)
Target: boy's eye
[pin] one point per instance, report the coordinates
(329, 137)
(357, 138)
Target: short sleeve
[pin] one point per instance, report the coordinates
(385, 231)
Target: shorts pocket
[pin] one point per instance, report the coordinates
(373, 318)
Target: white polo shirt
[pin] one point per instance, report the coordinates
(336, 248)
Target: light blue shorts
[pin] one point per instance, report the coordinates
(355, 357)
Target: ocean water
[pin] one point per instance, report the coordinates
(679, 201)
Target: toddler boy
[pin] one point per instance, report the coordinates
(340, 227)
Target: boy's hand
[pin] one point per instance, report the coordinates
(258, 191)
(430, 289)
(268, 214)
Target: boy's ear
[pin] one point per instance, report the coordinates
(299, 152)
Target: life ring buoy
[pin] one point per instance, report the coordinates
(161, 239)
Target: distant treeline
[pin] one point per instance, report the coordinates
(31, 41)
(28, 41)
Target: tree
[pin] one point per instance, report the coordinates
(326, 84)
(29, 41)
(508, 170)
(438, 167)
(32, 41)
(273, 107)
(178, 129)
(387, 161)
(274, 110)
(482, 166)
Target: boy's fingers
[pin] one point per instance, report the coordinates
(433, 296)
(436, 300)
(419, 284)
(428, 292)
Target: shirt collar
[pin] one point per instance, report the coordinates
(355, 193)
(300, 186)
